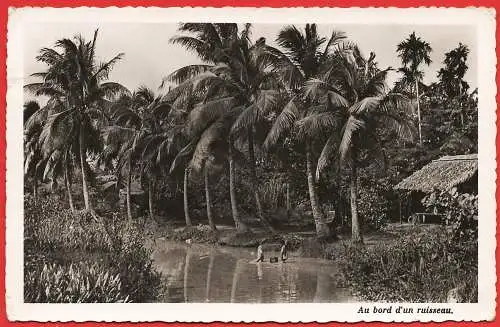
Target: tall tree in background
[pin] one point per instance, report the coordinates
(414, 51)
(452, 74)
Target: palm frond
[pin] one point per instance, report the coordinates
(283, 124)
(205, 113)
(314, 125)
(187, 72)
(245, 120)
(329, 153)
(351, 128)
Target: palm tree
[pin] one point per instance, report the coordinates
(350, 104)
(33, 124)
(452, 74)
(207, 148)
(304, 53)
(414, 51)
(46, 157)
(75, 82)
(137, 125)
(236, 78)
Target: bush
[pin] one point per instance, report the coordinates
(197, 234)
(373, 204)
(460, 212)
(55, 283)
(416, 268)
(49, 225)
(55, 237)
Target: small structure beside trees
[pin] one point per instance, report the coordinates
(440, 175)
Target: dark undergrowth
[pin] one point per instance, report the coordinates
(414, 268)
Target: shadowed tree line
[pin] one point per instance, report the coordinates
(311, 108)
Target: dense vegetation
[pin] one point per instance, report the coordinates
(277, 136)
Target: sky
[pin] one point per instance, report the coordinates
(149, 56)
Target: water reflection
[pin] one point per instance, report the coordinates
(209, 275)
(198, 273)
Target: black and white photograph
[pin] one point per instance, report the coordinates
(321, 164)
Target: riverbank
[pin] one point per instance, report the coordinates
(402, 262)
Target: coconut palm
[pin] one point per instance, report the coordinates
(75, 82)
(137, 127)
(414, 51)
(33, 124)
(236, 78)
(206, 150)
(350, 103)
(304, 53)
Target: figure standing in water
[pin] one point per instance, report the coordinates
(260, 253)
(284, 251)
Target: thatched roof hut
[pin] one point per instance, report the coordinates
(441, 174)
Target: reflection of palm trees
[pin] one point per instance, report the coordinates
(236, 277)
(186, 273)
(322, 285)
(209, 275)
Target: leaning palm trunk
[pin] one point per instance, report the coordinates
(322, 229)
(418, 113)
(186, 204)
(240, 226)
(209, 204)
(356, 235)
(150, 199)
(253, 180)
(129, 186)
(68, 185)
(83, 161)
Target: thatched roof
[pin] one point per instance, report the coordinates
(441, 174)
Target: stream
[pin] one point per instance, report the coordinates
(202, 273)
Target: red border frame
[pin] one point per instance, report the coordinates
(5, 4)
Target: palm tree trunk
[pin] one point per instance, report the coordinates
(356, 235)
(288, 203)
(322, 230)
(253, 180)
(186, 204)
(150, 199)
(209, 203)
(418, 113)
(129, 187)
(68, 185)
(240, 226)
(35, 188)
(83, 161)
